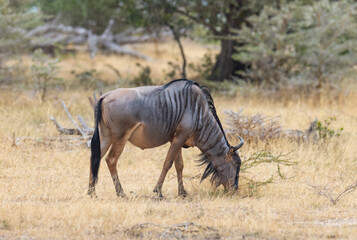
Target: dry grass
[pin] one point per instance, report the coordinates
(43, 189)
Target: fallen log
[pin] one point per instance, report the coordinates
(62, 130)
(85, 132)
(50, 35)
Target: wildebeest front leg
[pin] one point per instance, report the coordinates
(112, 160)
(179, 167)
(170, 157)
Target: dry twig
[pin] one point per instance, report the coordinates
(327, 192)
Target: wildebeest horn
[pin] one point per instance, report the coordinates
(239, 145)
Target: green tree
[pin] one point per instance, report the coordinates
(314, 41)
(218, 18)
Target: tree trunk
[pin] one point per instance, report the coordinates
(225, 67)
(177, 38)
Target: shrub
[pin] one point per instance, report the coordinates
(44, 71)
(257, 127)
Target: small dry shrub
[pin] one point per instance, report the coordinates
(257, 127)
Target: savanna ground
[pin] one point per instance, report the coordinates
(43, 187)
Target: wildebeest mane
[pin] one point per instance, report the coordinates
(204, 158)
(188, 84)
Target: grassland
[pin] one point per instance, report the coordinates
(43, 187)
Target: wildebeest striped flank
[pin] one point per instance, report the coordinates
(181, 112)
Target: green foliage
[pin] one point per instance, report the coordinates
(260, 158)
(144, 78)
(300, 41)
(324, 131)
(44, 71)
(15, 20)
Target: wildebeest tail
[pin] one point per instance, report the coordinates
(95, 143)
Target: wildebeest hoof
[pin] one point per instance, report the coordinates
(158, 192)
(91, 193)
(182, 193)
(121, 194)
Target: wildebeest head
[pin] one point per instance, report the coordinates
(225, 168)
(229, 177)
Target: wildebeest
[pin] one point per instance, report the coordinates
(181, 112)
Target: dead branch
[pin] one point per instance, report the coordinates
(92, 101)
(62, 130)
(49, 35)
(131, 36)
(70, 117)
(115, 48)
(348, 190)
(86, 129)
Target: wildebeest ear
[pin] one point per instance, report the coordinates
(231, 151)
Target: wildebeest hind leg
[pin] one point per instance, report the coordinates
(179, 167)
(176, 145)
(112, 159)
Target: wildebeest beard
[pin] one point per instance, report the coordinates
(210, 170)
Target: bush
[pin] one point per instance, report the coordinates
(44, 71)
